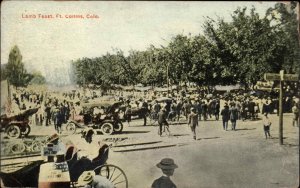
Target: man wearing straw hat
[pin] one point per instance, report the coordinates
(167, 166)
(89, 179)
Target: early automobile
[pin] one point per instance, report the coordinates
(102, 116)
(16, 125)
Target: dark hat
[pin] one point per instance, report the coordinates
(167, 163)
(53, 138)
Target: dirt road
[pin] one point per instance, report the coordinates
(218, 158)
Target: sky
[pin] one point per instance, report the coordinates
(49, 44)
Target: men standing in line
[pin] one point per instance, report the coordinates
(193, 121)
(225, 116)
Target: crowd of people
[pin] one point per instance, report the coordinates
(56, 108)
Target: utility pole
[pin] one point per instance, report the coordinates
(280, 108)
(168, 78)
(281, 77)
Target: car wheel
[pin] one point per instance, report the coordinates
(27, 130)
(118, 127)
(13, 131)
(107, 128)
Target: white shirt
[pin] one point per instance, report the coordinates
(100, 182)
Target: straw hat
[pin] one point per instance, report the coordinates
(85, 178)
(53, 138)
(167, 163)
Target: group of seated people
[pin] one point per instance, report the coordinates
(80, 166)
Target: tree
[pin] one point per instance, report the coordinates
(15, 70)
(245, 46)
(38, 78)
(283, 18)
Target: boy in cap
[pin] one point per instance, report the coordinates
(167, 166)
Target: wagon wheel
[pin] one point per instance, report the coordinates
(114, 174)
(107, 128)
(13, 131)
(18, 147)
(118, 127)
(27, 130)
(36, 146)
(71, 128)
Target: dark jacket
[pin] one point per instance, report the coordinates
(162, 117)
(233, 114)
(225, 113)
(163, 182)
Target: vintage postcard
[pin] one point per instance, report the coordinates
(150, 94)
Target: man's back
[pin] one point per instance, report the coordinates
(162, 117)
(193, 119)
(163, 182)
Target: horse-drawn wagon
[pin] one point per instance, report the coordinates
(64, 171)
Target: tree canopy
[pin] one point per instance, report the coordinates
(239, 51)
(15, 71)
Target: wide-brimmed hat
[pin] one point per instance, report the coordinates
(85, 178)
(167, 163)
(53, 137)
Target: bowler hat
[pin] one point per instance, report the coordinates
(167, 163)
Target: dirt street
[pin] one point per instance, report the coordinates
(218, 158)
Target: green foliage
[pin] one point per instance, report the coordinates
(15, 71)
(38, 79)
(240, 51)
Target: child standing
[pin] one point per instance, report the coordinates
(267, 124)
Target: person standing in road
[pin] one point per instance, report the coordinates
(48, 114)
(217, 109)
(162, 119)
(193, 121)
(127, 113)
(225, 116)
(295, 111)
(267, 124)
(178, 109)
(233, 116)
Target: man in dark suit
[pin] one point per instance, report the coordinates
(233, 116)
(225, 116)
(162, 119)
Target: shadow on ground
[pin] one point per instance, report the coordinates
(133, 132)
(245, 129)
(209, 138)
